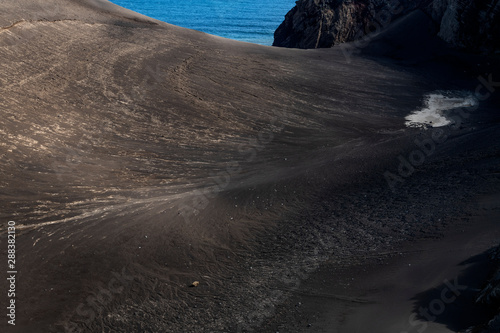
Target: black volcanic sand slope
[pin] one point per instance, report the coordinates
(138, 157)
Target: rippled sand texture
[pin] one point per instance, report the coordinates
(138, 157)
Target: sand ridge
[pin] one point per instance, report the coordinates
(138, 158)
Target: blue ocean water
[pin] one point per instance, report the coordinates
(246, 20)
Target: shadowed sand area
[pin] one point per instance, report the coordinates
(139, 157)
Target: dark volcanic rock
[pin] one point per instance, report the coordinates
(490, 295)
(468, 24)
(321, 24)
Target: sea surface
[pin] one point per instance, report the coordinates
(251, 21)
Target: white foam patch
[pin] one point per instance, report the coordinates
(433, 114)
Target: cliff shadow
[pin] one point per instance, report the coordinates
(453, 303)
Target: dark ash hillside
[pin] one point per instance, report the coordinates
(139, 157)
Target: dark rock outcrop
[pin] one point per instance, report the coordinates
(320, 24)
(490, 295)
(468, 24)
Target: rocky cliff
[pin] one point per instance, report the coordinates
(490, 295)
(468, 24)
(324, 23)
